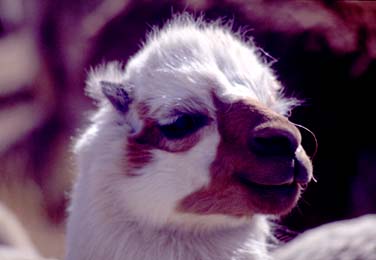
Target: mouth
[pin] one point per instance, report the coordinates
(267, 188)
(271, 198)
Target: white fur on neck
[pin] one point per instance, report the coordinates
(128, 240)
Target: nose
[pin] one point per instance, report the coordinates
(278, 139)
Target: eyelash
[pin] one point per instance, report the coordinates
(183, 126)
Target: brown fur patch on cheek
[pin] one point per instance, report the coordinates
(138, 148)
(224, 194)
(223, 197)
(137, 155)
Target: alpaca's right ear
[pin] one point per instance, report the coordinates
(107, 83)
(116, 94)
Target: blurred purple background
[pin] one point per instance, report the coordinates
(324, 53)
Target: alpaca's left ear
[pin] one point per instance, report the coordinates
(116, 94)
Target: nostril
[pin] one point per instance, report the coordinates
(274, 142)
(274, 145)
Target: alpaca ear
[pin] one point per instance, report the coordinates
(116, 94)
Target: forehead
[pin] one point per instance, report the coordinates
(186, 62)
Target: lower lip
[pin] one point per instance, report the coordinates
(287, 189)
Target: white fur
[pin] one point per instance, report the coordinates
(341, 240)
(195, 59)
(113, 216)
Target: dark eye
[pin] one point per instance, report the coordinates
(183, 126)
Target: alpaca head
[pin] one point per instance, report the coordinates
(192, 132)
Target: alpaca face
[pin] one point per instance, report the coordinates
(192, 132)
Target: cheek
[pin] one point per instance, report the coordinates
(154, 191)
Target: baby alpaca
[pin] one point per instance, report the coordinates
(188, 153)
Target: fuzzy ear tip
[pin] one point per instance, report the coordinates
(107, 87)
(116, 94)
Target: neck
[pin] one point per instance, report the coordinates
(131, 241)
